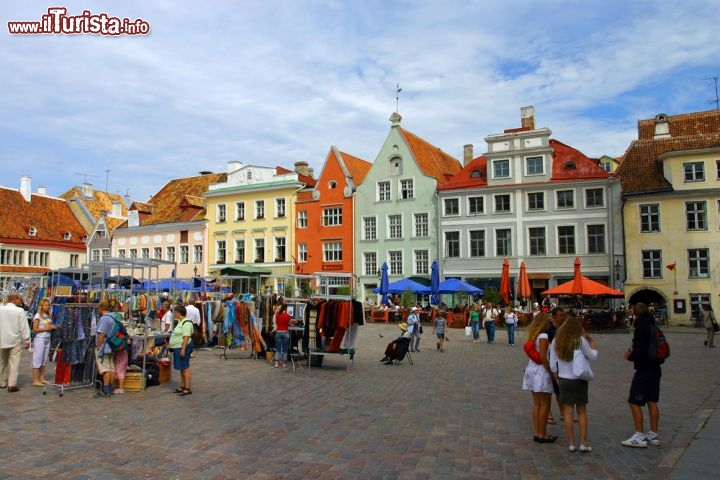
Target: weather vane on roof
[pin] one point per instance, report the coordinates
(397, 98)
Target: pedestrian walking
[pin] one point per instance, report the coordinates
(570, 339)
(490, 316)
(475, 323)
(645, 386)
(537, 379)
(511, 321)
(415, 329)
(14, 336)
(439, 327)
(710, 323)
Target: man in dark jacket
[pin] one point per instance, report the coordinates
(645, 387)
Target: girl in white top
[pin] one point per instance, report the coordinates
(511, 321)
(571, 336)
(42, 326)
(537, 379)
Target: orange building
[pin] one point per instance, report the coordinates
(325, 225)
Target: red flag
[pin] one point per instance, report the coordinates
(671, 266)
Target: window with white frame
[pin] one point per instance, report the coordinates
(95, 254)
(422, 225)
(302, 252)
(650, 217)
(332, 251)
(501, 168)
(396, 262)
(239, 250)
(259, 209)
(105, 253)
(451, 207)
(369, 231)
(383, 191)
(259, 250)
(197, 253)
(652, 263)
(566, 199)
(239, 211)
(170, 251)
(370, 266)
(332, 216)
(221, 213)
(157, 253)
(594, 198)
(538, 241)
(536, 200)
(406, 189)
(596, 238)
(220, 251)
(184, 254)
(100, 232)
(566, 239)
(606, 166)
(534, 165)
(696, 215)
(145, 252)
(503, 242)
(280, 207)
(502, 203)
(395, 226)
(422, 262)
(477, 243)
(452, 244)
(121, 253)
(476, 205)
(694, 171)
(698, 262)
(302, 221)
(697, 300)
(280, 249)
(75, 259)
(133, 253)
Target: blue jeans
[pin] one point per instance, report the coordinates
(475, 330)
(511, 333)
(282, 340)
(490, 329)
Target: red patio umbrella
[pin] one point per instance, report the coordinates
(581, 285)
(523, 288)
(505, 281)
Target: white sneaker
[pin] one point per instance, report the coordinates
(637, 441)
(652, 438)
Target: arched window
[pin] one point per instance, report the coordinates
(395, 166)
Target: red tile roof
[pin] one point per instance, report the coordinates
(51, 217)
(308, 181)
(564, 157)
(176, 201)
(100, 201)
(640, 170)
(466, 178)
(357, 167)
(432, 161)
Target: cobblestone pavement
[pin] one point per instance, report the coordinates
(458, 414)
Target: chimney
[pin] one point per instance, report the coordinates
(311, 172)
(25, 187)
(232, 166)
(116, 210)
(302, 168)
(527, 117)
(87, 190)
(41, 190)
(467, 154)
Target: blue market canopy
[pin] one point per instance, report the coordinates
(405, 285)
(454, 285)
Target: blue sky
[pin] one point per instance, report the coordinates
(272, 82)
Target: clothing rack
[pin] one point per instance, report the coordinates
(253, 334)
(89, 353)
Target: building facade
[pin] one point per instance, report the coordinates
(397, 208)
(534, 199)
(671, 211)
(325, 222)
(171, 226)
(251, 220)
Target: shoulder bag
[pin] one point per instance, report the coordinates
(581, 366)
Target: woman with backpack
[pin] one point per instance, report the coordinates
(573, 390)
(182, 347)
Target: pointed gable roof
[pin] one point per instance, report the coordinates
(474, 174)
(571, 164)
(640, 170)
(431, 160)
(356, 167)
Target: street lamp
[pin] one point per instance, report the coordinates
(618, 267)
(195, 270)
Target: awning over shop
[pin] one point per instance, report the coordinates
(244, 271)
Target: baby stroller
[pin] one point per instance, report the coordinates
(398, 349)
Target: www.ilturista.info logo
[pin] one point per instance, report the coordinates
(58, 22)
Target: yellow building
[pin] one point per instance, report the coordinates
(671, 205)
(250, 222)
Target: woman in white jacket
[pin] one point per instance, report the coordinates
(573, 391)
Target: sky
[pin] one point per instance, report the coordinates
(274, 82)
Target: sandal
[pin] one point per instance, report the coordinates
(547, 439)
(185, 392)
(585, 448)
(179, 390)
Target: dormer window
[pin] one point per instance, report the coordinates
(476, 174)
(395, 166)
(67, 236)
(249, 175)
(85, 238)
(32, 231)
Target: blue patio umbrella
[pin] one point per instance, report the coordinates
(435, 283)
(384, 283)
(405, 285)
(453, 285)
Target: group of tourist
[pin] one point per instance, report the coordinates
(560, 351)
(486, 316)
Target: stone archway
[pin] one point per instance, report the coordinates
(647, 295)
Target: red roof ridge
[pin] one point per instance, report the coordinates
(432, 160)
